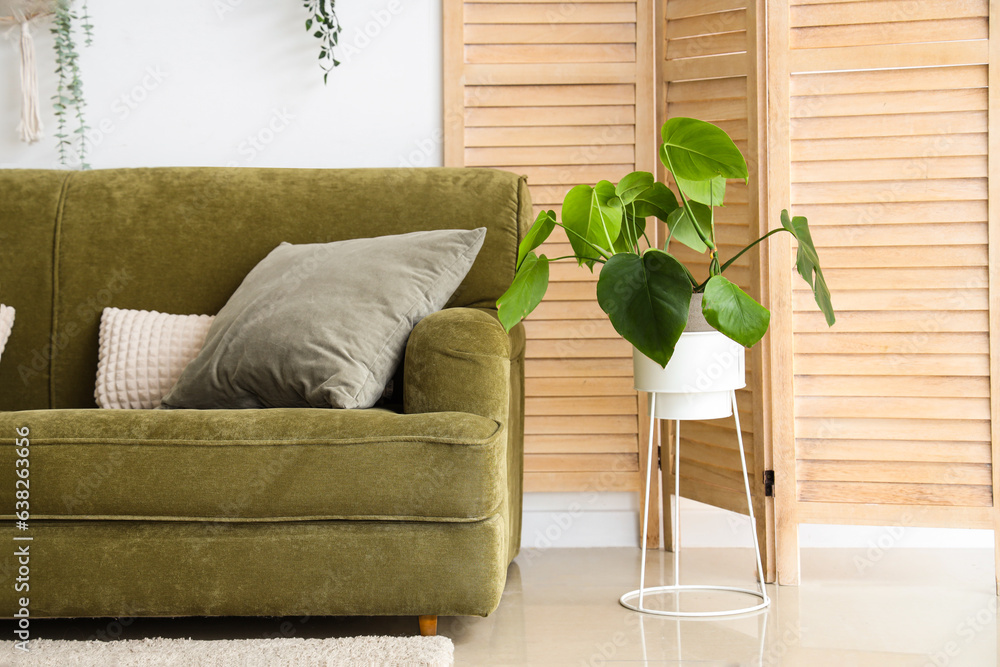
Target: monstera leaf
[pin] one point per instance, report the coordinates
(683, 228)
(646, 299)
(698, 151)
(733, 312)
(657, 201)
(544, 224)
(709, 193)
(632, 231)
(807, 263)
(526, 292)
(592, 215)
(633, 185)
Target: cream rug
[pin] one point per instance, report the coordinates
(431, 651)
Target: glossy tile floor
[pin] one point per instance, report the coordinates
(932, 608)
(887, 608)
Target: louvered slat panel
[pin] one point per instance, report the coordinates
(561, 92)
(889, 163)
(705, 76)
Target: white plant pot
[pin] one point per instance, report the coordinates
(696, 384)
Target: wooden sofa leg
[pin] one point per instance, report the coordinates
(428, 626)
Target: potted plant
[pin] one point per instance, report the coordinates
(652, 299)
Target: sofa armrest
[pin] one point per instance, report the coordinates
(458, 360)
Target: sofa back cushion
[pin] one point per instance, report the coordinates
(181, 240)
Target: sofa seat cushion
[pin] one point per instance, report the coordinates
(258, 465)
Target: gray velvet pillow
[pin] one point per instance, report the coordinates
(324, 324)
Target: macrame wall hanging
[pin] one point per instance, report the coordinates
(30, 127)
(24, 16)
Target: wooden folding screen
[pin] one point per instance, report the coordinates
(871, 117)
(563, 93)
(708, 71)
(880, 132)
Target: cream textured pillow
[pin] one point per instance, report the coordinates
(142, 353)
(6, 324)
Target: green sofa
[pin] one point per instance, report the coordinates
(408, 511)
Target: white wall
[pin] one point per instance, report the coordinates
(198, 82)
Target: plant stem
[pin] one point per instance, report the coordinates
(694, 282)
(687, 205)
(599, 249)
(590, 259)
(634, 236)
(741, 252)
(670, 236)
(604, 226)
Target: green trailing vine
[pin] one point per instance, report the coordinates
(323, 18)
(69, 103)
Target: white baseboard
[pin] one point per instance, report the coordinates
(612, 520)
(580, 520)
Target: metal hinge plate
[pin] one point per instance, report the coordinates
(768, 483)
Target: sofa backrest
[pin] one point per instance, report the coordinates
(180, 240)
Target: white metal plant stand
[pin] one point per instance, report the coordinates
(700, 382)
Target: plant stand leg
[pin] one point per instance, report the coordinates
(676, 523)
(666, 437)
(649, 468)
(676, 587)
(753, 520)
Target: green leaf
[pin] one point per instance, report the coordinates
(657, 201)
(646, 299)
(633, 185)
(733, 312)
(711, 192)
(807, 263)
(540, 230)
(526, 292)
(632, 229)
(697, 151)
(595, 214)
(683, 229)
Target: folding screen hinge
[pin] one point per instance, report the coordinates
(769, 483)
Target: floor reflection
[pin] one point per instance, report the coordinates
(915, 607)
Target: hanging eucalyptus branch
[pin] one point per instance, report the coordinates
(323, 18)
(69, 91)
